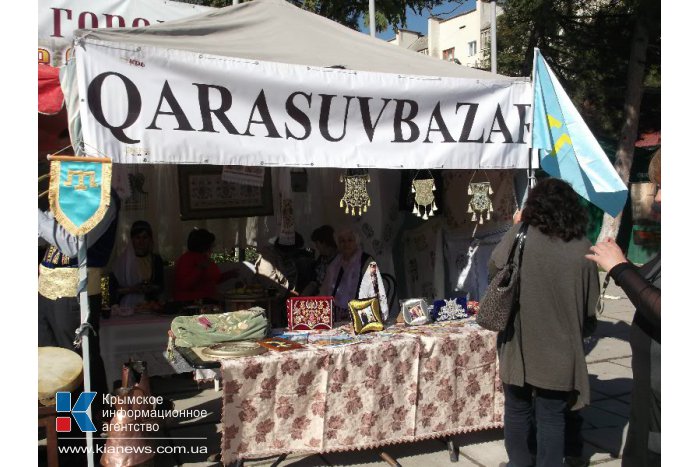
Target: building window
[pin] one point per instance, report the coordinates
(485, 39)
(448, 54)
(472, 48)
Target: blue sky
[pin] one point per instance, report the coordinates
(420, 22)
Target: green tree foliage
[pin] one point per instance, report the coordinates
(388, 13)
(587, 44)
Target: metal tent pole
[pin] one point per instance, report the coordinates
(85, 344)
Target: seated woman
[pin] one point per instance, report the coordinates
(352, 274)
(196, 275)
(137, 274)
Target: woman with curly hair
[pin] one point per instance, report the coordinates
(542, 360)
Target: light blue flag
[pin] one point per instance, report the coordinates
(568, 150)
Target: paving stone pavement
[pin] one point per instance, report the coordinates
(604, 426)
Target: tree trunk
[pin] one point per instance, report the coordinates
(633, 100)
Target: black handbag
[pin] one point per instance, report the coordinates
(503, 292)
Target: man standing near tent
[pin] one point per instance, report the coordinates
(59, 307)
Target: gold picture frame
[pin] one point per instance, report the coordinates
(366, 315)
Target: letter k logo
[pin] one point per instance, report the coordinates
(79, 411)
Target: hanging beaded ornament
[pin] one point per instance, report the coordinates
(480, 205)
(356, 199)
(424, 196)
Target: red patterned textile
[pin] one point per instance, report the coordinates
(305, 313)
(404, 384)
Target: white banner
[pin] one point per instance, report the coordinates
(152, 105)
(59, 18)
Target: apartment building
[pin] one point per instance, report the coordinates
(463, 38)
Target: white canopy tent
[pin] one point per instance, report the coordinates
(276, 31)
(464, 118)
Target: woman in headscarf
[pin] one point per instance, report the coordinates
(137, 275)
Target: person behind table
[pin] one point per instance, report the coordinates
(196, 275)
(643, 287)
(137, 274)
(541, 354)
(327, 249)
(345, 272)
(295, 263)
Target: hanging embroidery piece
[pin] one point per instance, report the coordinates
(480, 205)
(79, 191)
(356, 199)
(425, 197)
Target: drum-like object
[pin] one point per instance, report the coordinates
(59, 370)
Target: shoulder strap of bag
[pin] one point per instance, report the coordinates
(518, 241)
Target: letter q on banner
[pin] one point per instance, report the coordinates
(79, 191)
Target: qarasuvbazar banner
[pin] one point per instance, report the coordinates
(152, 105)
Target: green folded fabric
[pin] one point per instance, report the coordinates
(208, 329)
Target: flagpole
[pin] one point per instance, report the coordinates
(82, 333)
(530, 171)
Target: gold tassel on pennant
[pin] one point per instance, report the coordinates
(355, 198)
(424, 196)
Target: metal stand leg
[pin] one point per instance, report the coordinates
(389, 460)
(452, 449)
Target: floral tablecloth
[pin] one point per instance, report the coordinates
(405, 384)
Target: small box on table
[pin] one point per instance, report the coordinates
(306, 313)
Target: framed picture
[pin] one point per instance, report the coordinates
(415, 311)
(205, 195)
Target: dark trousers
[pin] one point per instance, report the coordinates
(534, 425)
(58, 320)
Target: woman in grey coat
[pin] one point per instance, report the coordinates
(542, 360)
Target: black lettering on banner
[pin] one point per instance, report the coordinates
(207, 111)
(326, 100)
(522, 113)
(408, 120)
(442, 128)
(261, 105)
(176, 111)
(94, 98)
(502, 128)
(370, 126)
(298, 116)
(469, 123)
